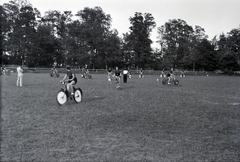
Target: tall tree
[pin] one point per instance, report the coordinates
(112, 47)
(234, 38)
(189, 59)
(4, 28)
(22, 28)
(76, 46)
(175, 37)
(228, 49)
(139, 38)
(206, 58)
(58, 24)
(95, 27)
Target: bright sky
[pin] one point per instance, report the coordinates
(215, 16)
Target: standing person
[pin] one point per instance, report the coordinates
(72, 79)
(19, 76)
(129, 73)
(125, 75)
(117, 76)
(84, 71)
(182, 73)
(3, 69)
(162, 75)
(109, 72)
(141, 73)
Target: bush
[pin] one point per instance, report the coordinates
(229, 72)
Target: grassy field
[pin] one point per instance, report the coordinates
(198, 120)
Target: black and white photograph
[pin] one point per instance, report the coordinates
(120, 81)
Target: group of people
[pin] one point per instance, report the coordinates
(169, 75)
(126, 73)
(117, 75)
(71, 78)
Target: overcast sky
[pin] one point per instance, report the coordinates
(215, 16)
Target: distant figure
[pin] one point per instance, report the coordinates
(19, 76)
(170, 76)
(109, 73)
(3, 69)
(162, 75)
(54, 69)
(129, 73)
(84, 69)
(125, 75)
(141, 73)
(118, 77)
(182, 73)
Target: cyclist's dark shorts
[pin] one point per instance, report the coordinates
(75, 79)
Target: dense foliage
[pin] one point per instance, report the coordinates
(62, 38)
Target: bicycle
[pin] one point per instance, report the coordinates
(55, 72)
(5, 71)
(87, 75)
(172, 81)
(64, 95)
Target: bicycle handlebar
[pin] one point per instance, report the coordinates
(63, 82)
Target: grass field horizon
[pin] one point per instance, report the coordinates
(198, 120)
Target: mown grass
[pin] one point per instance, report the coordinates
(197, 120)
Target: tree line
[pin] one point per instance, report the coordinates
(61, 38)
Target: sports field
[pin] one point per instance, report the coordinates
(198, 120)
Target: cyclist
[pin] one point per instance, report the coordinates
(54, 70)
(170, 76)
(72, 79)
(117, 76)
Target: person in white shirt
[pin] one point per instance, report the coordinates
(19, 76)
(125, 73)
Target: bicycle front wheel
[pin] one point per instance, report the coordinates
(78, 95)
(61, 97)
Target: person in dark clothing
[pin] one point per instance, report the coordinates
(72, 79)
(118, 77)
(125, 75)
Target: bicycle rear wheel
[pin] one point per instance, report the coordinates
(61, 97)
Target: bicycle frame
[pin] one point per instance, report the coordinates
(66, 90)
